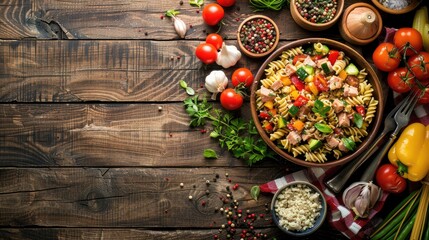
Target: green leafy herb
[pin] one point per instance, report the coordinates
(324, 128)
(183, 84)
(358, 120)
(190, 91)
(199, 111)
(171, 13)
(196, 3)
(348, 143)
(320, 108)
(260, 5)
(254, 192)
(209, 153)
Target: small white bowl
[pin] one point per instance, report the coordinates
(318, 220)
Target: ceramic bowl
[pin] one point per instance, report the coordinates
(361, 146)
(277, 211)
(248, 46)
(409, 8)
(306, 24)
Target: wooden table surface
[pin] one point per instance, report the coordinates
(85, 151)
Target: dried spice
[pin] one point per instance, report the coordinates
(258, 35)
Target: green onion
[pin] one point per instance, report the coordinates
(260, 5)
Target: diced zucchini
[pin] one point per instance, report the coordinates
(301, 73)
(314, 144)
(326, 68)
(281, 123)
(309, 69)
(293, 110)
(325, 49)
(351, 69)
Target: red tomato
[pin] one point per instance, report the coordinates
(425, 98)
(300, 101)
(264, 115)
(299, 58)
(419, 65)
(215, 39)
(230, 99)
(361, 110)
(213, 13)
(226, 3)
(400, 80)
(409, 36)
(296, 82)
(386, 57)
(242, 75)
(333, 56)
(206, 52)
(321, 83)
(389, 180)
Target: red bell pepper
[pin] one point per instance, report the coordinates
(300, 101)
(333, 56)
(296, 82)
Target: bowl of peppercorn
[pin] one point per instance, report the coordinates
(258, 36)
(316, 15)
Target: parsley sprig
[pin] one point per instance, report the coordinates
(199, 111)
(320, 108)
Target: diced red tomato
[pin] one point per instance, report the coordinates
(299, 58)
(333, 56)
(296, 82)
(264, 115)
(267, 126)
(321, 83)
(316, 57)
(300, 101)
(290, 126)
(360, 109)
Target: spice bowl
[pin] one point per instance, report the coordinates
(306, 14)
(298, 208)
(258, 36)
(396, 7)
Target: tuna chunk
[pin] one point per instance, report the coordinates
(290, 69)
(338, 105)
(343, 120)
(309, 62)
(342, 147)
(293, 138)
(335, 82)
(332, 142)
(350, 91)
(266, 94)
(276, 85)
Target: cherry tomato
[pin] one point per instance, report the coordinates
(226, 3)
(215, 39)
(300, 101)
(242, 75)
(299, 58)
(386, 57)
(400, 80)
(213, 13)
(230, 99)
(206, 52)
(409, 36)
(389, 180)
(425, 98)
(361, 110)
(419, 65)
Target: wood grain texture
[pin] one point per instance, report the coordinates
(106, 135)
(128, 19)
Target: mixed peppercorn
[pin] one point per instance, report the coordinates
(258, 35)
(319, 11)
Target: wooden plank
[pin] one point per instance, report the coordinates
(127, 197)
(129, 19)
(106, 135)
(70, 71)
(138, 233)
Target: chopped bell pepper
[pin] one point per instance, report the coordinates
(410, 152)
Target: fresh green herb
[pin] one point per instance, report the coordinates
(293, 110)
(171, 13)
(348, 143)
(261, 5)
(196, 3)
(199, 111)
(209, 153)
(320, 108)
(324, 128)
(254, 192)
(358, 120)
(190, 91)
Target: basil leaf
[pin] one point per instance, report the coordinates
(190, 91)
(358, 120)
(214, 134)
(349, 144)
(324, 128)
(183, 84)
(197, 3)
(254, 192)
(209, 153)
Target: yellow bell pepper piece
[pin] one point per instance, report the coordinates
(285, 80)
(298, 125)
(410, 152)
(269, 104)
(294, 94)
(342, 74)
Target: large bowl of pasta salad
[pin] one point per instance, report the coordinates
(317, 102)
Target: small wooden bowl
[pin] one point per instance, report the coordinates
(408, 8)
(315, 26)
(262, 54)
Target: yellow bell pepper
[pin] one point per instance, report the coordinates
(410, 152)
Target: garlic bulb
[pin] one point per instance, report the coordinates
(228, 56)
(216, 82)
(180, 27)
(361, 197)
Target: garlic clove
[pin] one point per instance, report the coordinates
(180, 27)
(361, 197)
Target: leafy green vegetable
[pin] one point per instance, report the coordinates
(196, 3)
(348, 143)
(254, 192)
(358, 120)
(320, 108)
(260, 5)
(209, 153)
(171, 13)
(190, 91)
(183, 84)
(324, 128)
(199, 111)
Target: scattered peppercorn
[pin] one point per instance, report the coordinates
(181, 185)
(258, 35)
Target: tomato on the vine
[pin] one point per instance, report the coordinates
(226, 3)
(411, 36)
(213, 13)
(419, 65)
(230, 99)
(425, 97)
(389, 180)
(215, 39)
(206, 52)
(242, 75)
(400, 80)
(386, 57)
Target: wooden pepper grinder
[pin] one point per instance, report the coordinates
(361, 24)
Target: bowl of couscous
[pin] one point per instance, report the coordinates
(298, 208)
